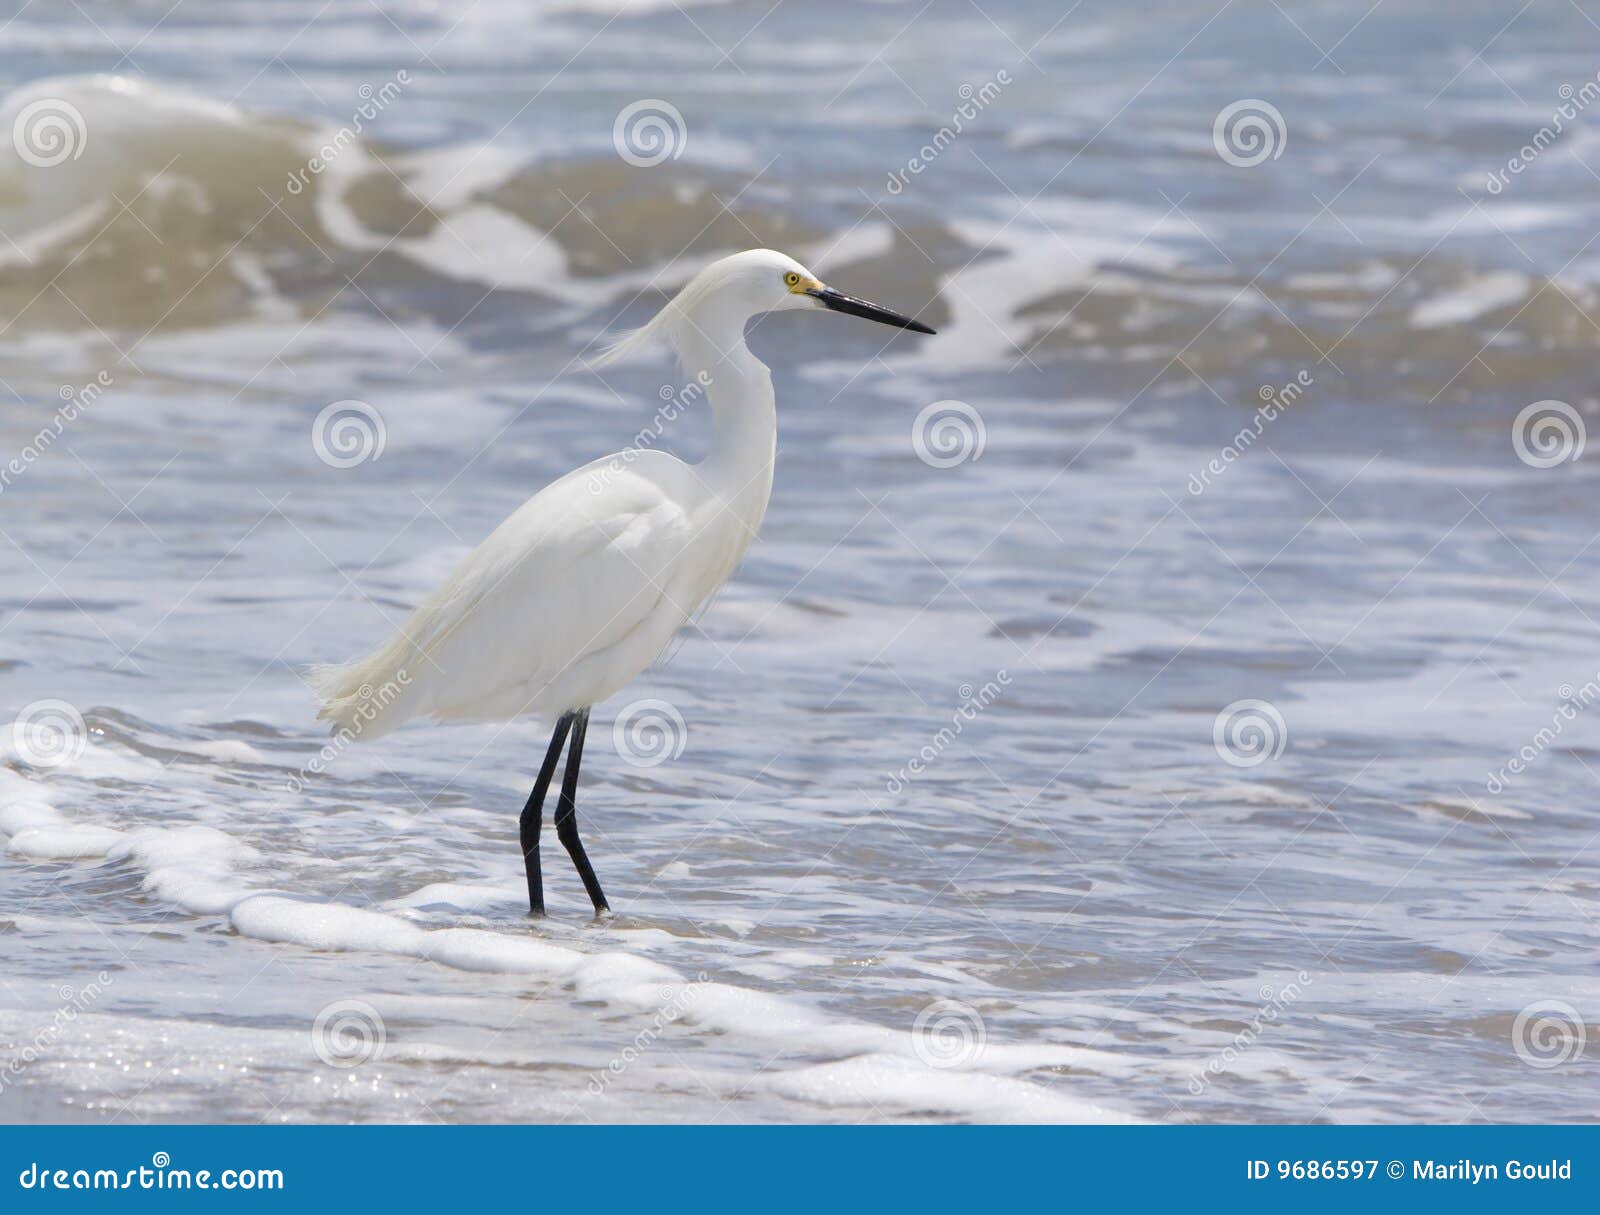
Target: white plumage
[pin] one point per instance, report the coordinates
(586, 584)
(563, 604)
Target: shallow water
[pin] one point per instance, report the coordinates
(951, 833)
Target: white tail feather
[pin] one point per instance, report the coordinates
(367, 697)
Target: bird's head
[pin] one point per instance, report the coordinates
(764, 280)
(733, 289)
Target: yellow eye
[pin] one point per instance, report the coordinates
(792, 279)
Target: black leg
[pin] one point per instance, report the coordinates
(533, 814)
(567, 815)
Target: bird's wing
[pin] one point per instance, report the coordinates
(572, 572)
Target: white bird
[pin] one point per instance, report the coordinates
(585, 585)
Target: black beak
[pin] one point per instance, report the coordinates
(836, 301)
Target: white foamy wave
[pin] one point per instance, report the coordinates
(1060, 246)
(890, 1083)
(483, 244)
(192, 866)
(131, 128)
(1484, 294)
(63, 842)
(629, 981)
(211, 205)
(195, 867)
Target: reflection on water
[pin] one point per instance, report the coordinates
(1186, 719)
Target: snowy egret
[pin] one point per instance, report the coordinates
(586, 584)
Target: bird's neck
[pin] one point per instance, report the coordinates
(739, 387)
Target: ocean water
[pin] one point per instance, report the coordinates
(1163, 695)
